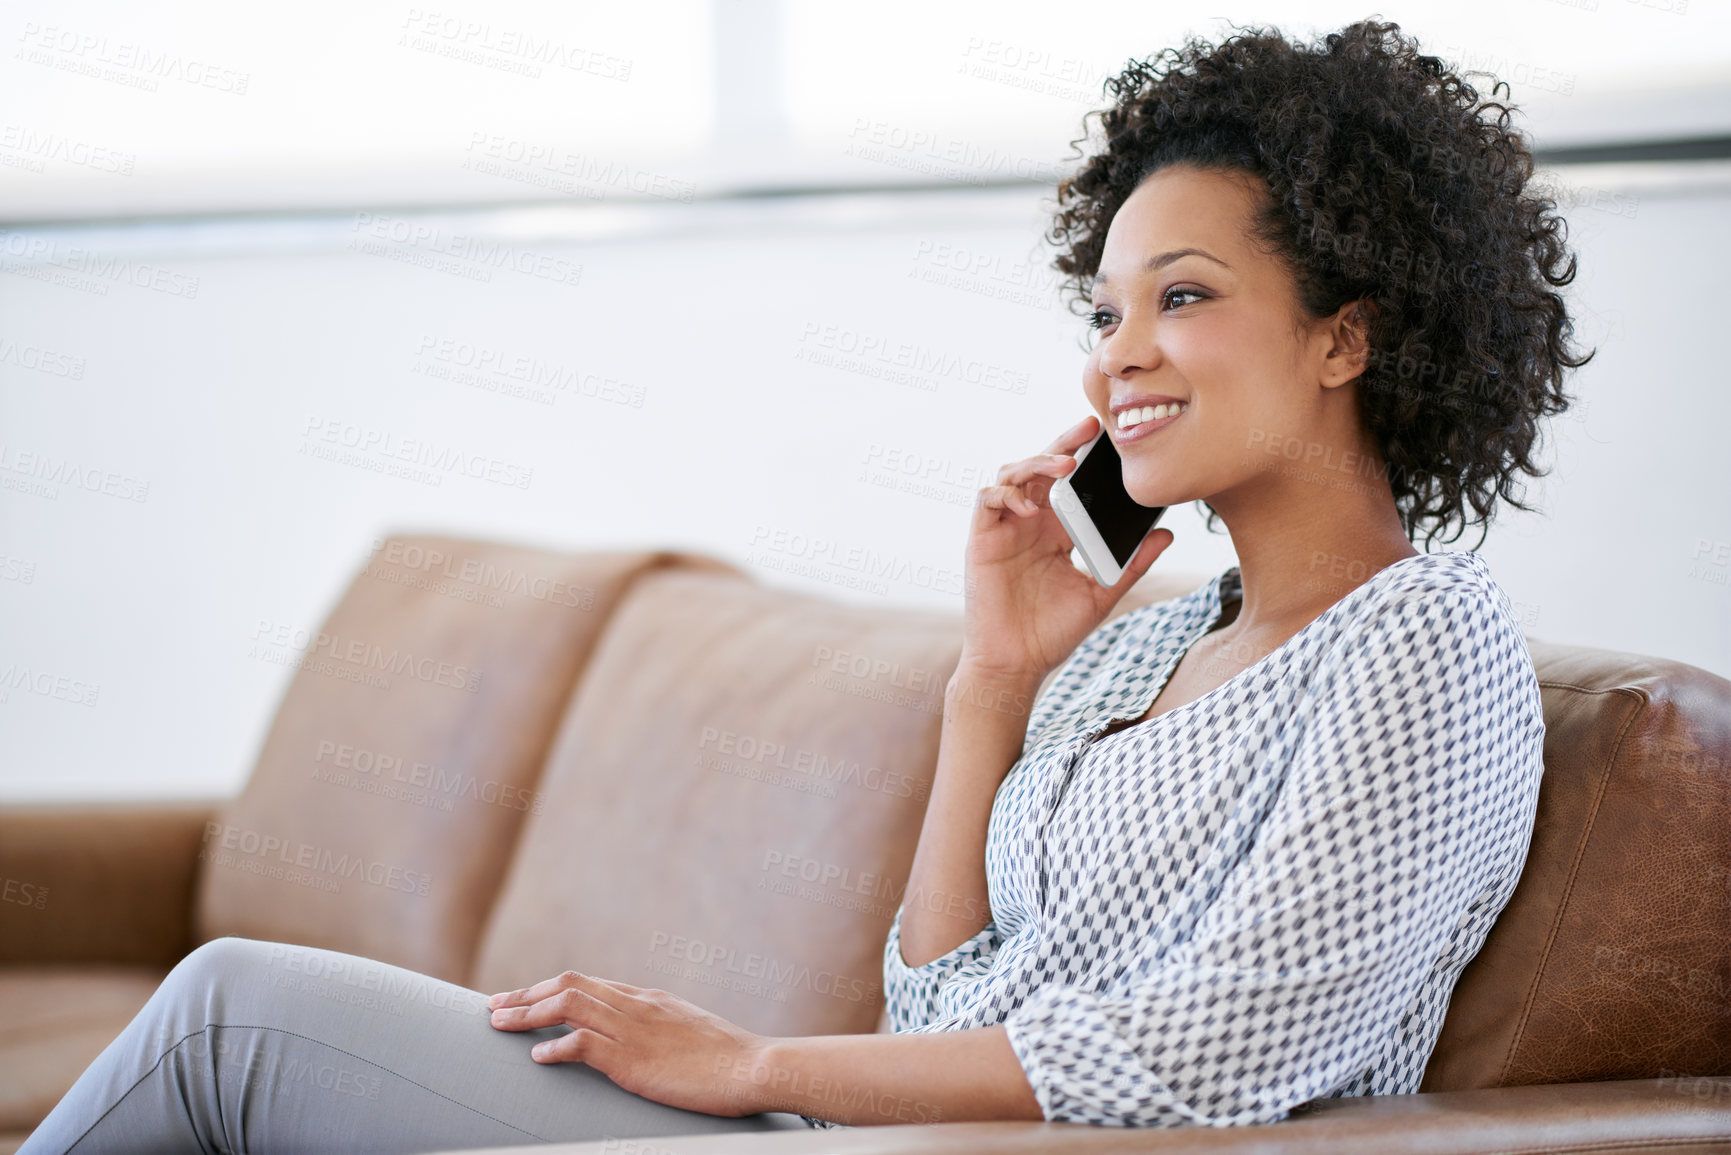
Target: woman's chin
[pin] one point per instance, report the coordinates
(1155, 496)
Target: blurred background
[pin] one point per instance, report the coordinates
(763, 280)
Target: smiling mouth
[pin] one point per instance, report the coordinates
(1133, 418)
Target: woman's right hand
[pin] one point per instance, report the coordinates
(1027, 605)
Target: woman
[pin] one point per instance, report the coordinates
(1237, 853)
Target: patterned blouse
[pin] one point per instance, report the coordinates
(1263, 896)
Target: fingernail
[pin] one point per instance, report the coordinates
(539, 1051)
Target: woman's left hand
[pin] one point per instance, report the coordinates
(648, 1041)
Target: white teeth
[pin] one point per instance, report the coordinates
(1131, 418)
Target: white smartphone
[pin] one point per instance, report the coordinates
(1104, 522)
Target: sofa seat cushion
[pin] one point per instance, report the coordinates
(54, 1021)
(733, 804)
(1670, 1116)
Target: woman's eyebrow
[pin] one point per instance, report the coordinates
(1163, 259)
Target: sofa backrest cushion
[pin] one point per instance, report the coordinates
(405, 755)
(732, 804)
(1613, 958)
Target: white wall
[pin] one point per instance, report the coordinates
(708, 315)
(114, 108)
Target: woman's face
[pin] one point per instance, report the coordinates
(1193, 316)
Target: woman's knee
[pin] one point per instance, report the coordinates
(228, 951)
(221, 959)
(198, 990)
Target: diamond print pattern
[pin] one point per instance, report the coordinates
(1264, 896)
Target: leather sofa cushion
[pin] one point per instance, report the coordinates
(733, 804)
(1613, 957)
(1669, 1116)
(406, 752)
(54, 1021)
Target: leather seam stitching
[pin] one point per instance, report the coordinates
(1641, 702)
(1641, 694)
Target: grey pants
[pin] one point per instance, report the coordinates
(252, 1046)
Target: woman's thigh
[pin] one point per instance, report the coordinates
(255, 1046)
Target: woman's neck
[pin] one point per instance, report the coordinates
(1301, 549)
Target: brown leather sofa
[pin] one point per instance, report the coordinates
(495, 763)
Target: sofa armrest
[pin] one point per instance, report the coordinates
(99, 883)
(1646, 1115)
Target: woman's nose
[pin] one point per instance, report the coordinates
(1129, 347)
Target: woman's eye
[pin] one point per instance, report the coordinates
(1101, 318)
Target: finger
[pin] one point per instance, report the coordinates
(534, 994)
(559, 982)
(1151, 548)
(1038, 488)
(1076, 436)
(580, 1046)
(1044, 465)
(572, 1006)
(998, 497)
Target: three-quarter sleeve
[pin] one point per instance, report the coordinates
(911, 993)
(1400, 809)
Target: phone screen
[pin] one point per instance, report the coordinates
(1099, 484)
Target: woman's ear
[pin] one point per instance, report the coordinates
(1349, 343)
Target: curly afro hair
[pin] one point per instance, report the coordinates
(1392, 182)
